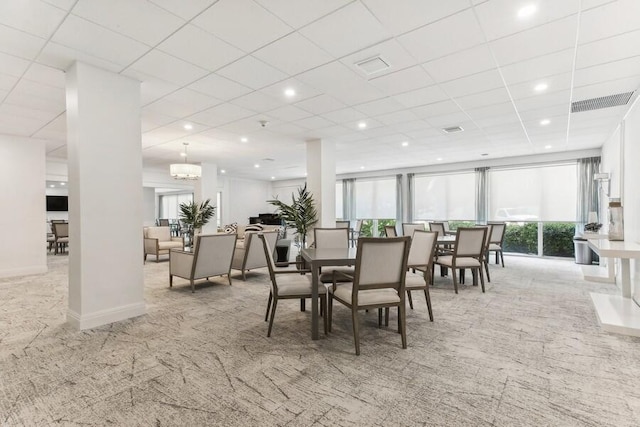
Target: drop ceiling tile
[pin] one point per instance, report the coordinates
(609, 20)
(607, 50)
(255, 29)
(444, 37)
(220, 87)
(542, 66)
(252, 72)
(33, 17)
(138, 19)
(306, 11)
(46, 75)
(490, 97)
(166, 67)
(320, 104)
(543, 101)
(18, 43)
(475, 83)
(448, 120)
(61, 4)
(61, 57)
(258, 102)
(389, 51)
(406, 80)
(41, 98)
(397, 117)
(302, 91)
(380, 106)
(12, 65)
(7, 82)
(400, 17)
(497, 120)
(98, 41)
(289, 113)
(346, 30)
(220, 114)
(499, 18)
(542, 40)
(184, 9)
(26, 114)
(182, 103)
(548, 112)
(467, 62)
(427, 95)
(555, 83)
(200, 48)
(345, 115)
(151, 88)
(314, 122)
(606, 88)
(152, 119)
(436, 109)
(293, 54)
(605, 72)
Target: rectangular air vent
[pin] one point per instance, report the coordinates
(452, 129)
(602, 102)
(373, 65)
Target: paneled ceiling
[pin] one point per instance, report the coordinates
(506, 71)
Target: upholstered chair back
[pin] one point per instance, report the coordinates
(213, 254)
(161, 233)
(331, 238)
(381, 263)
(470, 241)
(423, 246)
(408, 229)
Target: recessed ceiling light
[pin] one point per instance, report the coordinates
(405, 144)
(305, 174)
(527, 11)
(361, 167)
(273, 177)
(362, 125)
(63, 183)
(223, 171)
(540, 87)
(256, 165)
(188, 126)
(52, 186)
(439, 159)
(289, 92)
(547, 146)
(243, 139)
(544, 122)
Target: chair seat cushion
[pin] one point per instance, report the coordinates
(63, 240)
(296, 284)
(494, 247)
(368, 297)
(327, 276)
(414, 281)
(169, 245)
(461, 262)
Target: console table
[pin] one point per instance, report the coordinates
(618, 313)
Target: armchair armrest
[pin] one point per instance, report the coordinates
(180, 263)
(150, 245)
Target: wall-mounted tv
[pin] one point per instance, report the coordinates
(57, 204)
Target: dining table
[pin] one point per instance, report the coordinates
(316, 259)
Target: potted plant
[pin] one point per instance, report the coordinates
(300, 214)
(194, 216)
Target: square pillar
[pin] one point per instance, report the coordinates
(321, 179)
(105, 197)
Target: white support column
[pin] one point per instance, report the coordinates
(207, 188)
(321, 179)
(105, 197)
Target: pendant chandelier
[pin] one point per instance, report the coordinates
(185, 170)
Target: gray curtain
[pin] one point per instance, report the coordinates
(349, 199)
(588, 197)
(410, 196)
(399, 199)
(482, 195)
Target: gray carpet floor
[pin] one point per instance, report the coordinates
(528, 352)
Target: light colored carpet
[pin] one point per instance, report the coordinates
(528, 352)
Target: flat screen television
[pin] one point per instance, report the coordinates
(57, 204)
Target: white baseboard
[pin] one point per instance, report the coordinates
(105, 317)
(23, 271)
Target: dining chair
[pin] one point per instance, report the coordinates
(390, 231)
(288, 284)
(485, 250)
(409, 228)
(497, 240)
(378, 282)
(61, 235)
(163, 222)
(355, 233)
(439, 227)
(467, 254)
(211, 257)
(342, 224)
(331, 238)
(421, 254)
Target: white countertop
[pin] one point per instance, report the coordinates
(615, 249)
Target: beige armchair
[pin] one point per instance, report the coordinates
(211, 256)
(158, 241)
(250, 254)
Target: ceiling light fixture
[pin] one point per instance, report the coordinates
(361, 167)
(405, 144)
(256, 166)
(289, 93)
(243, 139)
(439, 159)
(188, 126)
(544, 122)
(63, 183)
(527, 11)
(540, 87)
(362, 125)
(273, 177)
(185, 170)
(547, 146)
(223, 171)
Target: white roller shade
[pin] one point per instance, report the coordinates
(376, 198)
(444, 197)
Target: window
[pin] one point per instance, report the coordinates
(376, 198)
(535, 193)
(444, 197)
(170, 204)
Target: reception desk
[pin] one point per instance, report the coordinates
(618, 313)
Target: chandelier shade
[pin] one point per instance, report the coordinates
(185, 170)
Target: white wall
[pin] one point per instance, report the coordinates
(244, 198)
(149, 206)
(282, 190)
(22, 191)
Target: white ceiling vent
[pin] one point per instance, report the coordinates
(373, 65)
(602, 102)
(452, 129)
